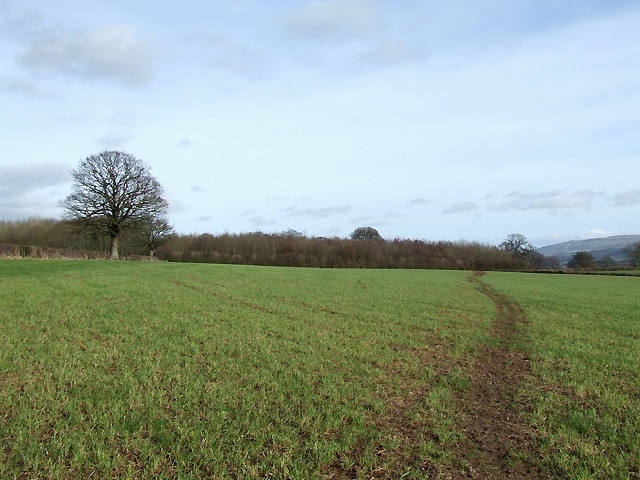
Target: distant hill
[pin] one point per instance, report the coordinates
(599, 247)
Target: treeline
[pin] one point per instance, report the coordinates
(281, 249)
(289, 248)
(50, 238)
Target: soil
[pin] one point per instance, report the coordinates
(498, 438)
(497, 441)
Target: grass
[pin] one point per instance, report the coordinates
(141, 370)
(584, 334)
(159, 370)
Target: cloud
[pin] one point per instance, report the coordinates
(115, 140)
(258, 221)
(596, 233)
(460, 207)
(176, 205)
(419, 201)
(334, 20)
(22, 87)
(554, 200)
(392, 52)
(317, 212)
(197, 189)
(627, 199)
(31, 190)
(112, 53)
(362, 219)
(18, 179)
(395, 215)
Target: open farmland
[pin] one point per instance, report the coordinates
(584, 334)
(158, 370)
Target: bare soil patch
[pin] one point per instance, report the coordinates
(498, 439)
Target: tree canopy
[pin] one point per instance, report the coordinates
(365, 233)
(154, 232)
(518, 245)
(633, 254)
(113, 191)
(581, 260)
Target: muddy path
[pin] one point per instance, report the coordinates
(498, 441)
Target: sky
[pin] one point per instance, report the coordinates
(424, 119)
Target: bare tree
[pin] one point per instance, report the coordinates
(518, 245)
(111, 191)
(155, 231)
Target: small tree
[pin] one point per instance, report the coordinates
(551, 262)
(633, 254)
(154, 232)
(581, 260)
(606, 262)
(112, 191)
(291, 233)
(517, 245)
(365, 233)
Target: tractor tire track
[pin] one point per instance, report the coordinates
(498, 441)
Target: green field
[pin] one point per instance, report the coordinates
(584, 334)
(162, 370)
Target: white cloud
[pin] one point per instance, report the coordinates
(392, 51)
(259, 221)
(334, 20)
(627, 199)
(32, 190)
(22, 86)
(419, 201)
(363, 219)
(555, 200)
(111, 52)
(310, 103)
(317, 212)
(16, 179)
(115, 140)
(460, 207)
(185, 143)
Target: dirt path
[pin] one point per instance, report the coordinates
(494, 416)
(497, 441)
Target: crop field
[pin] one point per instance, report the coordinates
(584, 337)
(159, 370)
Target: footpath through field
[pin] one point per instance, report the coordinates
(497, 437)
(490, 437)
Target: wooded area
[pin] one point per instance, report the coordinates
(61, 239)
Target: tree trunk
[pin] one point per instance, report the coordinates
(114, 247)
